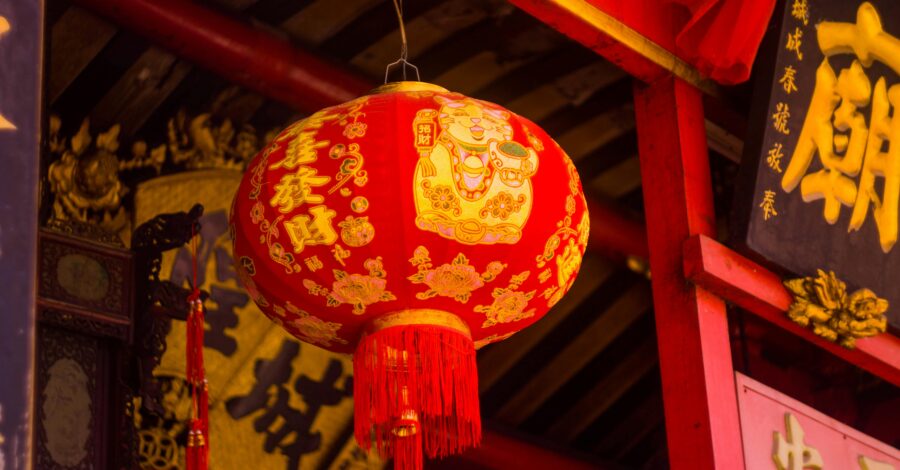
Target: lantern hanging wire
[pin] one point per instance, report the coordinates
(404, 49)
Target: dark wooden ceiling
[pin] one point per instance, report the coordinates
(585, 379)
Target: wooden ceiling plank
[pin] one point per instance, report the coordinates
(549, 98)
(322, 19)
(539, 102)
(146, 84)
(423, 32)
(476, 72)
(724, 142)
(604, 393)
(75, 40)
(583, 348)
(619, 180)
(645, 417)
(495, 361)
(597, 132)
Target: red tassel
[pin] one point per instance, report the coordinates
(197, 457)
(407, 443)
(420, 377)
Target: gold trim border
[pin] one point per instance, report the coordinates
(408, 86)
(420, 316)
(637, 42)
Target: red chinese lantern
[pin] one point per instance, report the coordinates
(410, 227)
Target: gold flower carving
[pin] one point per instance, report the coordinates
(313, 329)
(822, 303)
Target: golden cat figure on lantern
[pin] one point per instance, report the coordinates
(473, 185)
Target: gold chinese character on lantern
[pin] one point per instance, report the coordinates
(304, 230)
(836, 130)
(295, 189)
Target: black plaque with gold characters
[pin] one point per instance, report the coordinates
(821, 172)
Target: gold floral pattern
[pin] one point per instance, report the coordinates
(567, 264)
(351, 167)
(310, 328)
(357, 290)
(534, 140)
(493, 339)
(354, 130)
(545, 275)
(441, 198)
(269, 233)
(509, 303)
(456, 279)
(246, 270)
(572, 240)
(502, 205)
(356, 231)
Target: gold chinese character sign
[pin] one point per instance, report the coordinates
(821, 174)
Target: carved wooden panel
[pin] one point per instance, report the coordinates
(85, 285)
(70, 401)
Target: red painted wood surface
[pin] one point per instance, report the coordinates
(252, 58)
(748, 285)
(702, 425)
(580, 30)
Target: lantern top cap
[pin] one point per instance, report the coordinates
(407, 86)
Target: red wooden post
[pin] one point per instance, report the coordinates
(701, 409)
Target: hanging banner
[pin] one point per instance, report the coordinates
(274, 402)
(821, 173)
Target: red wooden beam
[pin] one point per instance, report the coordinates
(252, 58)
(748, 285)
(702, 423)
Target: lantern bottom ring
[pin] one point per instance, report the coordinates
(420, 316)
